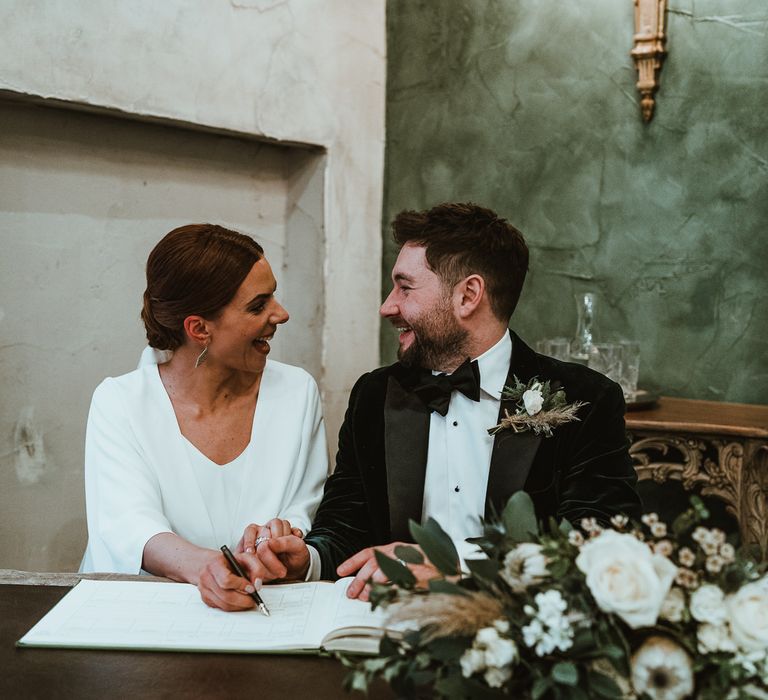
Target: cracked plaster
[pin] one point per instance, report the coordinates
(298, 72)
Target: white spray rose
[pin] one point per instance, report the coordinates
(626, 577)
(712, 638)
(492, 654)
(674, 605)
(533, 400)
(524, 566)
(748, 614)
(707, 604)
(472, 661)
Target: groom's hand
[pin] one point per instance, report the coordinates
(367, 568)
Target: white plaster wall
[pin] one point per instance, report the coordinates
(306, 71)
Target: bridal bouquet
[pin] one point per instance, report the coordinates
(633, 611)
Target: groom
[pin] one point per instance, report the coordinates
(415, 445)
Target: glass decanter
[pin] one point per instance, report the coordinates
(586, 309)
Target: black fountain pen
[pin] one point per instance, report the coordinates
(236, 569)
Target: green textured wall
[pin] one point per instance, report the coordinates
(529, 107)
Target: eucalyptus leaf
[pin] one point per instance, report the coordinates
(483, 569)
(448, 648)
(394, 570)
(540, 688)
(421, 678)
(437, 546)
(565, 673)
(519, 518)
(603, 686)
(440, 585)
(409, 554)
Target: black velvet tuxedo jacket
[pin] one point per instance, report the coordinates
(583, 470)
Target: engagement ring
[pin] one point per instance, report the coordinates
(259, 540)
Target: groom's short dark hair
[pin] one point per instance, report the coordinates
(463, 239)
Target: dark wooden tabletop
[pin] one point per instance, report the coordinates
(71, 673)
(702, 417)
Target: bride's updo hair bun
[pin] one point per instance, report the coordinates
(194, 270)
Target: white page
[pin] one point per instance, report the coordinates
(354, 613)
(171, 616)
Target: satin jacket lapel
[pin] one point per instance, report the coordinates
(406, 439)
(513, 453)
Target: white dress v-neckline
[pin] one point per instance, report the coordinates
(211, 477)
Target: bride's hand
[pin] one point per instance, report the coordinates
(256, 534)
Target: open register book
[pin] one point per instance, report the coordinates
(305, 617)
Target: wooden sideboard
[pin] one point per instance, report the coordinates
(712, 448)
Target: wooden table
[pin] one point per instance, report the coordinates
(29, 674)
(716, 449)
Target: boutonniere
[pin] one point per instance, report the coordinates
(538, 408)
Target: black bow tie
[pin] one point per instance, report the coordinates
(435, 389)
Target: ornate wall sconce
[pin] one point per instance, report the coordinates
(649, 50)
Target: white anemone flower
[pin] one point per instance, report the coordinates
(662, 670)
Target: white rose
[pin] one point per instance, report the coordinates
(524, 566)
(707, 604)
(673, 606)
(533, 401)
(626, 577)
(748, 614)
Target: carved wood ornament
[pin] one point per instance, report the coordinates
(649, 50)
(735, 471)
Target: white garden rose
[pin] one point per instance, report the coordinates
(707, 604)
(626, 577)
(533, 400)
(748, 614)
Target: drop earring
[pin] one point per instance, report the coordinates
(201, 357)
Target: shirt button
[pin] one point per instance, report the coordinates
(455, 423)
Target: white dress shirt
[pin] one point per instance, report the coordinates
(459, 452)
(459, 456)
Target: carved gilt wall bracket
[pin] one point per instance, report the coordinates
(649, 50)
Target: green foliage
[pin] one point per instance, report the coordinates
(519, 518)
(565, 673)
(437, 546)
(440, 585)
(411, 555)
(603, 687)
(428, 662)
(397, 573)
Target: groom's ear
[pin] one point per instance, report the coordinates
(468, 295)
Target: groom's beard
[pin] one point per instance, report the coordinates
(438, 340)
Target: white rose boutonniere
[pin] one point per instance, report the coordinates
(626, 577)
(539, 407)
(533, 400)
